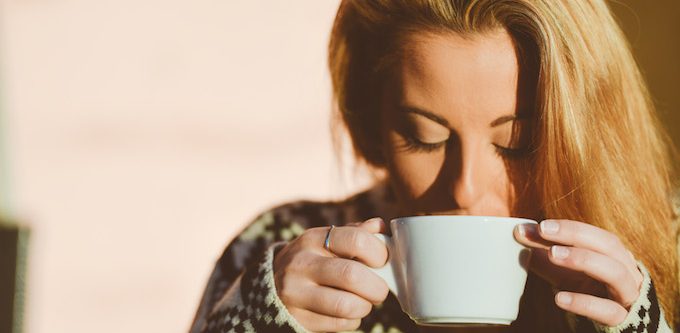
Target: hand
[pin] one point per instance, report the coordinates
(332, 291)
(598, 277)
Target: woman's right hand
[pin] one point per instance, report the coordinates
(331, 291)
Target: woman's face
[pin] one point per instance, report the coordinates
(455, 127)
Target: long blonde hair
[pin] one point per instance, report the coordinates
(600, 153)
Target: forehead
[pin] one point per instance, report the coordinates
(449, 72)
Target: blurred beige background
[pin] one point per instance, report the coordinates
(141, 136)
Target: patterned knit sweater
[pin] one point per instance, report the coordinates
(241, 294)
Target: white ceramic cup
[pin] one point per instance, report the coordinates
(456, 270)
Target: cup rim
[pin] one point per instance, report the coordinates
(466, 218)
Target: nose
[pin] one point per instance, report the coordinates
(470, 178)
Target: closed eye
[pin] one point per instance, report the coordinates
(511, 153)
(413, 144)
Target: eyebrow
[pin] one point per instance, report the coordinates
(503, 119)
(426, 114)
(439, 119)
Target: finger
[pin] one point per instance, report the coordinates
(583, 235)
(333, 302)
(579, 234)
(358, 243)
(374, 225)
(527, 235)
(602, 310)
(611, 272)
(540, 264)
(351, 276)
(315, 322)
(562, 277)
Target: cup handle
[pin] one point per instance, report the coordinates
(386, 272)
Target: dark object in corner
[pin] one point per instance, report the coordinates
(13, 246)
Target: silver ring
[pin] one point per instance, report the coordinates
(327, 242)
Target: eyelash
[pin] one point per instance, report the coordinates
(511, 153)
(414, 145)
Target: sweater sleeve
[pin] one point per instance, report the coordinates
(645, 315)
(241, 295)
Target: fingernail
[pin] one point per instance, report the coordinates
(521, 230)
(375, 219)
(564, 298)
(559, 252)
(549, 227)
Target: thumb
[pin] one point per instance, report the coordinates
(374, 225)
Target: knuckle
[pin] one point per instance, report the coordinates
(345, 324)
(619, 316)
(572, 230)
(619, 243)
(382, 261)
(282, 271)
(612, 243)
(286, 294)
(350, 273)
(589, 306)
(298, 263)
(353, 324)
(358, 241)
(309, 236)
(622, 274)
(382, 291)
(610, 313)
(628, 302)
(582, 260)
(297, 315)
(341, 323)
(287, 272)
(379, 255)
(343, 307)
(585, 304)
(376, 290)
(364, 309)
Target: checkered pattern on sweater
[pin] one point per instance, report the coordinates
(645, 315)
(241, 295)
(254, 306)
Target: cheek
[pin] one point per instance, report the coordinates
(501, 186)
(415, 173)
(522, 195)
(412, 173)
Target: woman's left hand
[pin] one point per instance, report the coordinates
(597, 276)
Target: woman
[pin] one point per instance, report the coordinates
(531, 108)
